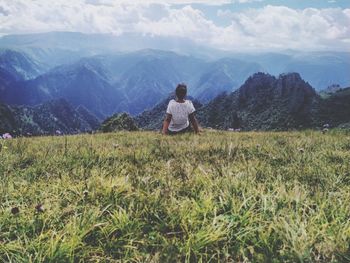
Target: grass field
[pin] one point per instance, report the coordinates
(142, 197)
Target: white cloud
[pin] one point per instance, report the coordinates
(265, 28)
(41, 15)
(171, 2)
(185, 22)
(283, 27)
(272, 27)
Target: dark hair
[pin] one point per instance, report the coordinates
(181, 91)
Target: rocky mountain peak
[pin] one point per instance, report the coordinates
(258, 85)
(292, 88)
(293, 82)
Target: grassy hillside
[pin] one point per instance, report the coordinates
(142, 197)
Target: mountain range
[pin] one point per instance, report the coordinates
(107, 74)
(132, 82)
(265, 102)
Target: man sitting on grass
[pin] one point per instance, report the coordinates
(179, 114)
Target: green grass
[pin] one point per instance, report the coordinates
(142, 197)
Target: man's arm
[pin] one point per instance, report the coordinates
(194, 122)
(166, 123)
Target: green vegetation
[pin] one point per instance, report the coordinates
(46, 118)
(142, 197)
(119, 122)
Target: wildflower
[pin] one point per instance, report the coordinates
(40, 208)
(7, 136)
(15, 210)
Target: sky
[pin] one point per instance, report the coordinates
(223, 24)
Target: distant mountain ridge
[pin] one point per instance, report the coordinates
(47, 118)
(320, 69)
(80, 85)
(19, 64)
(129, 82)
(224, 74)
(16, 68)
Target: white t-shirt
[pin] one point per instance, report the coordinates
(179, 112)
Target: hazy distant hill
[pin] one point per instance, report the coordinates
(223, 75)
(15, 68)
(47, 118)
(80, 85)
(19, 64)
(320, 69)
(154, 77)
(92, 44)
(7, 81)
